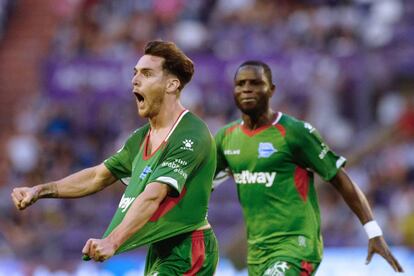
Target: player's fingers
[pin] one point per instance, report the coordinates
(393, 262)
(85, 249)
(16, 201)
(369, 257)
(399, 267)
(18, 193)
(28, 200)
(97, 256)
(93, 252)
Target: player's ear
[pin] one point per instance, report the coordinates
(173, 85)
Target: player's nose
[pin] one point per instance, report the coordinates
(246, 88)
(135, 81)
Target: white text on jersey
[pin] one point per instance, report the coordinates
(125, 202)
(246, 177)
(232, 152)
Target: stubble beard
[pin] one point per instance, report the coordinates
(151, 109)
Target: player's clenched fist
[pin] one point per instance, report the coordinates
(99, 249)
(24, 197)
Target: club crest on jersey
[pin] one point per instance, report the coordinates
(266, 150)
(188, 145)
(145, 172)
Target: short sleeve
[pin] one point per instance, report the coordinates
(120, 164)
(221, 160)
(180, 160)
(222, 167)
(310, 151)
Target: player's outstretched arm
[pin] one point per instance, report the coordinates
(358, 203)
(141, 210)
(82, 183)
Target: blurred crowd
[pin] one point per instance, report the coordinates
(5, 8)
(345, 66)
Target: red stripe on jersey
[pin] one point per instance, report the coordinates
(281, 129)
(231, 129)
(167, 205)
(147, 155)
(197, 253)
(253, 132)
(307, 269)
(302, 182)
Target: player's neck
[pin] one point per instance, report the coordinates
(167, 116)
(255, 121)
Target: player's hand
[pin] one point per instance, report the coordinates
(24, 197)
(99, 249)
(379, 246)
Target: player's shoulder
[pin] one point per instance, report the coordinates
(138, 134)
(193, 123)
(141, 131)
(190, 125)
(294, 125)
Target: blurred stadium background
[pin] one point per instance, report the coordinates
(65, 69)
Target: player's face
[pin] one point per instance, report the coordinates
(252, 90)
(149, 85)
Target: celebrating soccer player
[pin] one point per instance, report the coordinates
(272, 157)
(168, 166)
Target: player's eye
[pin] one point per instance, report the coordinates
(147, 73)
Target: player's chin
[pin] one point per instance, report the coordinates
(143, 113)
(246, 105)
(249, 109)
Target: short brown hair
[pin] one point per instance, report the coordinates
(176, 62)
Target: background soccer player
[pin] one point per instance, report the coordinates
(168, 165)
(272, 157)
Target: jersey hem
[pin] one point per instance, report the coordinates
(133, 246)
(283, 258)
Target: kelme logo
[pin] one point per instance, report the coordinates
(188, 145)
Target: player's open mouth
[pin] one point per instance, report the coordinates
(139, 97)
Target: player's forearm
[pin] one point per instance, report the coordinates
(138, 215)
(82, 183)
(353, 196)
(141, 210)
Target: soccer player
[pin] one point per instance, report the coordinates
(272, 157)
(168, 166)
